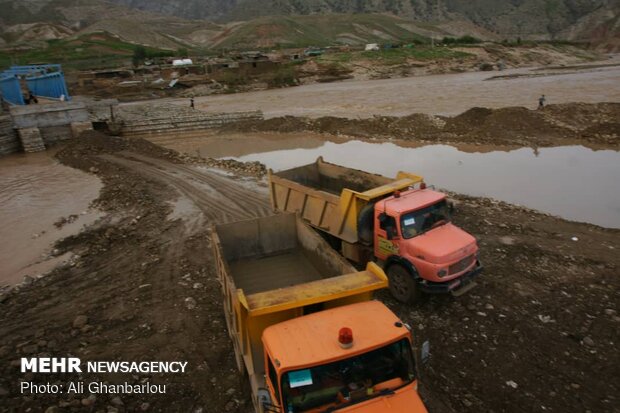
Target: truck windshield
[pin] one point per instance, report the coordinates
(350, 380)
(417, 222)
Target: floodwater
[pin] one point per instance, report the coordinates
(35, 192)
(448, 94)
(573, 182)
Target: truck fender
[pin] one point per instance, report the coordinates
(395, 259)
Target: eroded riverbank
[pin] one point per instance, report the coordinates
(41, 202)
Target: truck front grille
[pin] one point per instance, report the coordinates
(461, 265)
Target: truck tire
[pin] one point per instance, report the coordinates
(402, 284)
(365, 224)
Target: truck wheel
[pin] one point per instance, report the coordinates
(365, 224)
(402, 284)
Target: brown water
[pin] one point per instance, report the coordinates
(573, 182)
(449, 94)
(35, 192)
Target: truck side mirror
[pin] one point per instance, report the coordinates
(425, 352)
(264, 400)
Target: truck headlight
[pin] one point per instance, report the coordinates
(442, 273)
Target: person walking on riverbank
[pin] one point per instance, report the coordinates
(541, 102)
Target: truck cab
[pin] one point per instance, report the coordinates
(421, 250)
(355, 358)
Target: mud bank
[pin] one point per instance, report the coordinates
(556, 125)
(544, 317)
(41, 202)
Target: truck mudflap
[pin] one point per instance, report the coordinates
(456, 287)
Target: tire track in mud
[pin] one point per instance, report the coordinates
(220, 199)
(226, 186)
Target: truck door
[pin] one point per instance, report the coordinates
(385, 234)
(271, 400)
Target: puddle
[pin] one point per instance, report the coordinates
(573, 182)
(239, 144)
(35, 192)
(186, 210)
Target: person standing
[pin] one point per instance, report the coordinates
(541, 102)
(191, 103)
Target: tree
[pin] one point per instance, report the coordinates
(139, 54)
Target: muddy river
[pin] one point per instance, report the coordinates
(449, 94)
(573, 182)
(35, 193)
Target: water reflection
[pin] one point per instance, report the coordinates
(574, 182)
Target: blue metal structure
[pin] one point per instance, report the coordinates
(33, 70)
(50, 85)
(42, 80)
(11, 91)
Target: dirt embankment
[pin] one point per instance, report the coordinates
(142, 287)
(555, 125)
(537, 335)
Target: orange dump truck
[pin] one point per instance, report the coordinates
(400, 223)
(303, 324)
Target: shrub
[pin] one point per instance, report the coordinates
(233, 79)
(461, 40)
(283, 76)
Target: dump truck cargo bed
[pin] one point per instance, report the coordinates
(284, 269)
(276, 268)
(331, 197)
(276, 252)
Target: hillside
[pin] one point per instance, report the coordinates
(318, 30)
(524, 18)
(73, 13)
(32, 24)
(301, 23)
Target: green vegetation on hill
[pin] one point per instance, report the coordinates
(396, 56)
(460, 40)
(96, 50)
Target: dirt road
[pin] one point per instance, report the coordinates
(538, 334)
(447, 95)
(219, 199)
